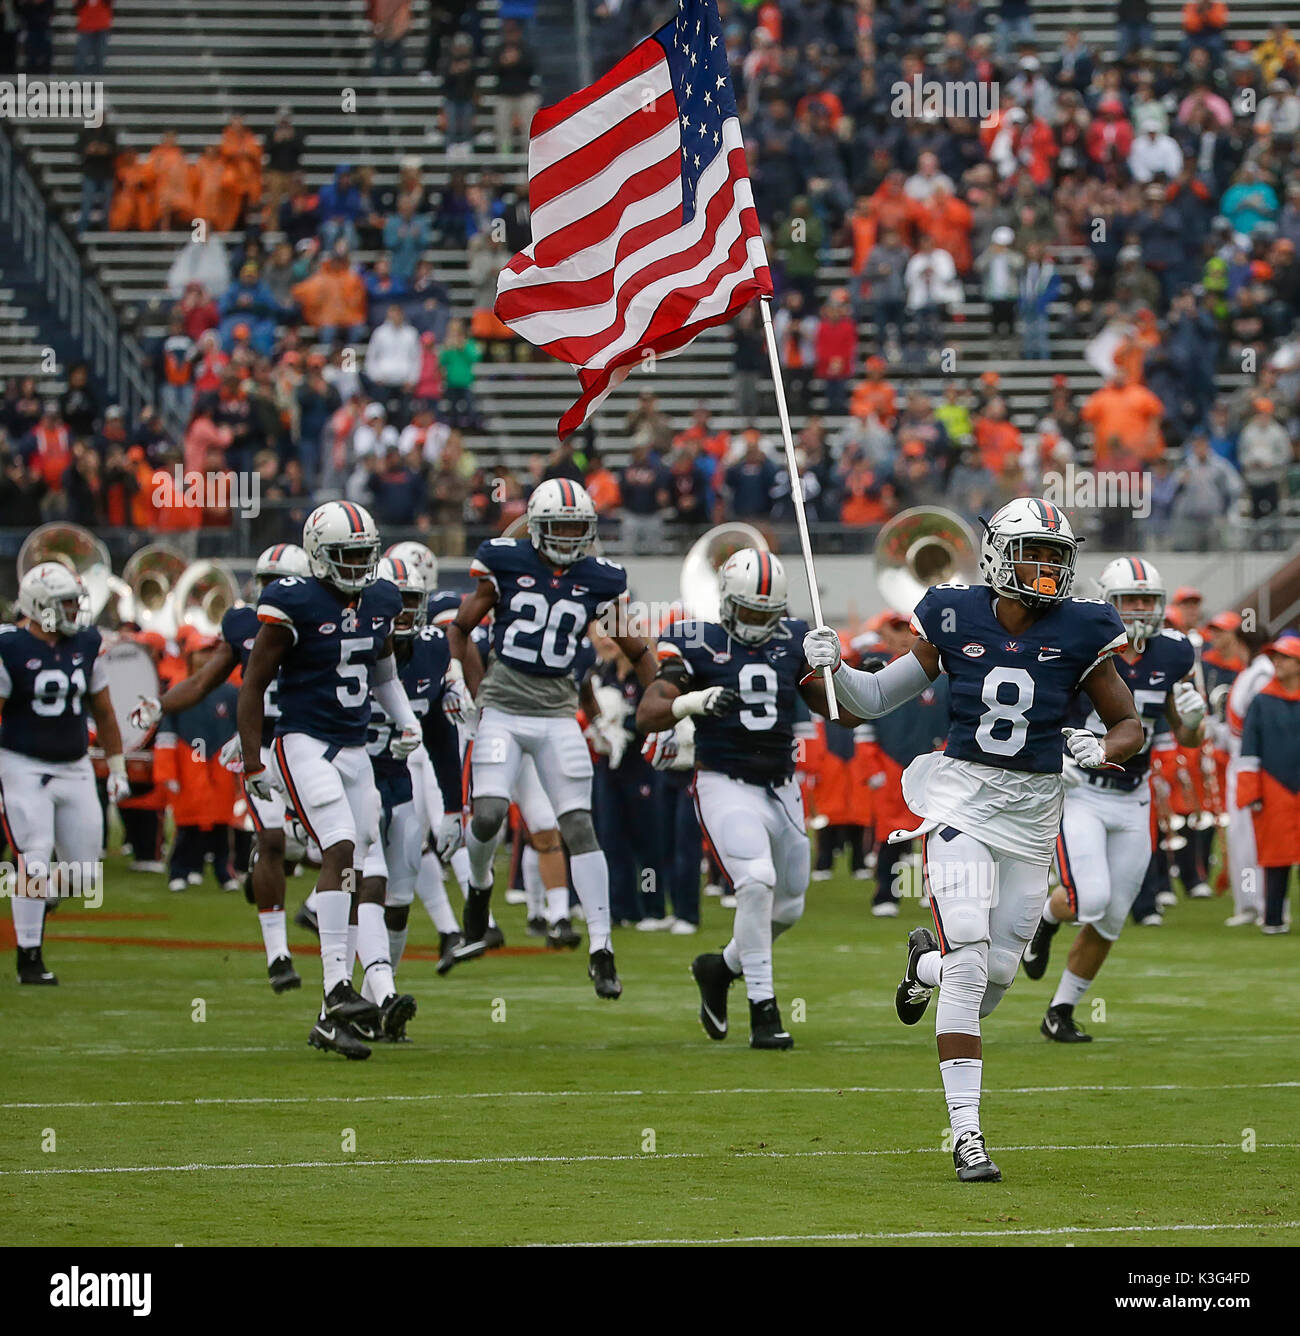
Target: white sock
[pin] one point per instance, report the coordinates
(1070, 990)
(312, 902)
(481, 854)
(1048, 916)
(753, 936)
(396, 945)
(929, 968)
(557, 903)
(372, 943)
(432, 890)
(29, 920)
(352, 948)
(332, 908)
(274, 934)
(460, 868)
(534, 891)
(591, 881)
(962, 1078)
(731, 955)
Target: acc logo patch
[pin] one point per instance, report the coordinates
(972, 651)
(33, 664)
(525, 582)
(326, 628)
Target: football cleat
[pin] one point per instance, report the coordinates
(282, 974)
(344, 1003)
(535, 927)
(1059, 1026)
(912, 996)
(447, 944)
(1151, 920)
(1166, 899)
(461, 951)
(600, 970)
(177, 884)
(494, 937)
(333, 1035)
(396, 1010)
(31, 967)
(1247, 918)
(1201, 891)
(972, 1160)
(477, 916)
(765, 1028)
(516, 897)
(1039, 949)
(714, 978)
(562, 935)
(884, 909)
(306, 918)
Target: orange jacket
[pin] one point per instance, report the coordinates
(997, 442)
(1270, 774)
(1124, 418)
(333, 295)
(1215, 21)
(874, 396)
(949, 222)
(215, 190)
(135, 200)
(186, 754)
(173, 181)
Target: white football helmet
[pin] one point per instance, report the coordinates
(417, 555)
(44, 596)
(409, 580)
(1127, 576)
(754, 582)
(555, 502)
(342, 545)
(1021, 522)
(277, 561)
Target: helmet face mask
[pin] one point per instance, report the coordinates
(751, 596)
(747, 623)
(342, 545)
(414, 590)
(561, 521)
(55, 599)
(1028, 554)
(1127, 579)
(417, 555)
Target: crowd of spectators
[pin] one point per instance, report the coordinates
(1141, 203)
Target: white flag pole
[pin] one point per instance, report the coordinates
(796, 493)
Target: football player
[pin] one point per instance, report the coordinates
(238, 632)
(50, 679)
(543, 594)
(1016, 650)
(1104, 845)
(424, 665)
(738, 679)
(328, 637)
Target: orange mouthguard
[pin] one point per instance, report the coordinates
(1044, 585)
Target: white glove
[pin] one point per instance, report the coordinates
(457, 704)
(712, 701)
(261, 785)
(1086, 749)
(660, 749)
(450, 836)
(821, 648)
(145, 713)
(615, 737)
(405, 742)
(1189, 703)
(118, 786)
(232, 756)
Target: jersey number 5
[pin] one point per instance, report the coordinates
(354, 673)
(1004, 725)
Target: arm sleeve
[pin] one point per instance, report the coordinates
(442, 744)
(391, 694)
(869, 695)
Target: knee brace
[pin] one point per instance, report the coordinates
(488, 817)
(578, 832)
(962, 984)
(395, 917)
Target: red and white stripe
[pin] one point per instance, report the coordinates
(613, 273)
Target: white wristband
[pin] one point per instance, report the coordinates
(117, 764)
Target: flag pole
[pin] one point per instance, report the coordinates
(796, 492)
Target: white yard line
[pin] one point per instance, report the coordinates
(607, 1159)
(221, 1101)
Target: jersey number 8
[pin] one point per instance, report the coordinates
(1008, 718)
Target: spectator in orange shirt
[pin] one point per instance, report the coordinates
(135, 205)
(949, 221)
(867, 499)
(215, 190)
(715, 444)
(172, 182)
(333, 299)
(1125, 421)
(51, 452)
(874, 396)
(1132, 351)
(602, 486)
(1203, 25)
(242, 149)
(997, 437)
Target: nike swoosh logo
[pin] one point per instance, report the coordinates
(1052, 1026)
(1030, 955)
(329, 1034)
(721, 1025)
(1044, 658)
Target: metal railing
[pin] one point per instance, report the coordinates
(76, 296)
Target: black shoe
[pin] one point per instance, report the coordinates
(972, 1160)
(447, 944)
(765, 1028)
(494, 938)
(336, 1036)
(714, 978)
(31, 967)
(282, 974)
(600, 970)
(475, 918)
(1059, 1026)
(463, 950)
(306, 918)
(535, 927)
(344, 1003)
(393, 1015)
(912, 996)
(1039, 949)
(562, 934)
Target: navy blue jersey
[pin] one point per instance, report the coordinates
(1010, 695)
(443, 604)
(916, 727)
(756, 743)
(239, 629)
(543, 611)
(584, 660)
(1167, 658)
(325, 676)
(44, 688)
(422, 676)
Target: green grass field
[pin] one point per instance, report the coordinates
(571, 1120)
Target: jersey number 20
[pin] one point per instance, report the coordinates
(533, 614)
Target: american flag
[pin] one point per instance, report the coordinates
(643, 221)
